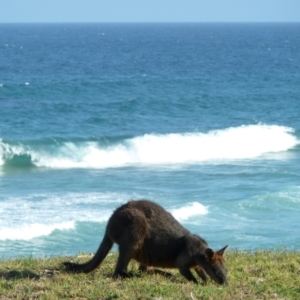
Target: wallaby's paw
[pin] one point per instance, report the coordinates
(121, 275)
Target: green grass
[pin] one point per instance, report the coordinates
(251, 275)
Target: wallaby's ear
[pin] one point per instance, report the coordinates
(221, 251)
(209, 254)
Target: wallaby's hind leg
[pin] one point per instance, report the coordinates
(128, 230)
(124, 258)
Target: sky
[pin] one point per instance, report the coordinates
(37, 11)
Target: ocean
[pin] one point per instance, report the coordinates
(202, 118)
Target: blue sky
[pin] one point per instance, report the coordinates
(149, 11)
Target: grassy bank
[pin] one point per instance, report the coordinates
(251, 275)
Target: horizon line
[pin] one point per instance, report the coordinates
(152, 22)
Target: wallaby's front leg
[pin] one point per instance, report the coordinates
(186, 272)
(201, 274)
(151, 270)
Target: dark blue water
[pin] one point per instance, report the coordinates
(201, 118)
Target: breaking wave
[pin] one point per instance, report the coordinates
(234, 143)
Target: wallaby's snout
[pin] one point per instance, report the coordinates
(222, 280)
(214, 265)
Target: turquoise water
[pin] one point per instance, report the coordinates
(201, 118)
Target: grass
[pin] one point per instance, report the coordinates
(251, 275)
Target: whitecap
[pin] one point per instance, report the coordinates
(29, 231)
(189, 210)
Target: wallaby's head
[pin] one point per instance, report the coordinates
(213, 264)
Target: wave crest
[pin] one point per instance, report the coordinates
(243, 142)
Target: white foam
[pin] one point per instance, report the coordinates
(87, 155)
(41, 214)
(29, 231)
(235, 143)
(188, 211)
(244, 142)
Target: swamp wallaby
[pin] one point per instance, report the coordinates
(149, 234)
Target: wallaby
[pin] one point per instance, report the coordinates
(149, 234)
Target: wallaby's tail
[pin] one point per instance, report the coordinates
(91, 265)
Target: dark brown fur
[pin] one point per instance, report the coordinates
(149, 234)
